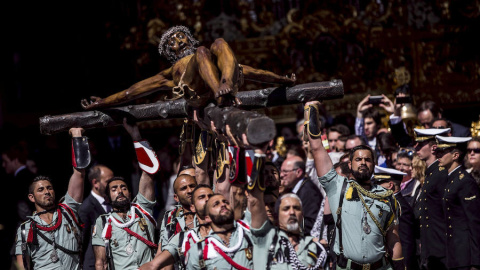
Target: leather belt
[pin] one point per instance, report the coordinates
(369, 266)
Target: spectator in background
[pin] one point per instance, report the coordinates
(473, 158)
(442, 123)
(409, 185)
(418, 173)
(386, 146)
(293, 178)
(428, 111)
(368, 122)
(334, 134)
(352, 141)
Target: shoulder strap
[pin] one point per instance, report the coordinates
(201, 261)
(149, 238)
(271, 249)
(66, 213)
(108, 249)
(72, 214)
(394, 206)
(55, 245)
(339, 215)
(25, 253)
(171, 223)
(181, 256)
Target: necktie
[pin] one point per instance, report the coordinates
(108, 207)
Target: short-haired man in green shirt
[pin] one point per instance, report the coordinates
(365, 215)
(181, 218)
(174, 251)
(51, 237)
(229, 244)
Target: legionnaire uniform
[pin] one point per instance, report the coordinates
(181, 243)
(461, 204)
(173, 222)
(281, 254)
(51, 246)
(129, 243)
(212, 253)
(364, 217)
(429, 208)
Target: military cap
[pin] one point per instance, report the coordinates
(382, 174)
(447, 142)
(429, 133)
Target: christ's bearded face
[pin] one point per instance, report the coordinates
(180, 45)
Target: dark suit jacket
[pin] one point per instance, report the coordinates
(400, 135)
(89, 212)
(406, 229)
(460, 131)
(311, 202)
(461, 206)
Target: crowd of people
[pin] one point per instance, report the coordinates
(378, 198)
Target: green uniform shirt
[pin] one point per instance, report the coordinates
(121, 240)
(308, 251)
(168, 229)
(357, 245)
(174, 246)
(218, 262)
(40, 254)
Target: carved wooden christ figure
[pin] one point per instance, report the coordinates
(198, 74)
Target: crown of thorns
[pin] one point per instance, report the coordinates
(179, 28)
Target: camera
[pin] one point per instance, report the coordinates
(404, 100)
(375, 100)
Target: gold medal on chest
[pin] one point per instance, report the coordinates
(68, 228)
(142, 224)
(248, 254)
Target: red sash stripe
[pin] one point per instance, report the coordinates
(139, 237)
(152, 220)
(227, 258)
(69, 210)
(243, 224)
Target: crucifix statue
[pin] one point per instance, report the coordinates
(204, 79)
(198, 74)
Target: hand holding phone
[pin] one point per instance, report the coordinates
(375, 100)
(403, 100)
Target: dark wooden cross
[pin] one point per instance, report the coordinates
(258, 127)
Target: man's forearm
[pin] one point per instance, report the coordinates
(323, 163)
(147, 186)
(100, 257)
(75, 185)
(100, 265)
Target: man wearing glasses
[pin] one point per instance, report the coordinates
(429, 110)
(408, 186)
(292, 177)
